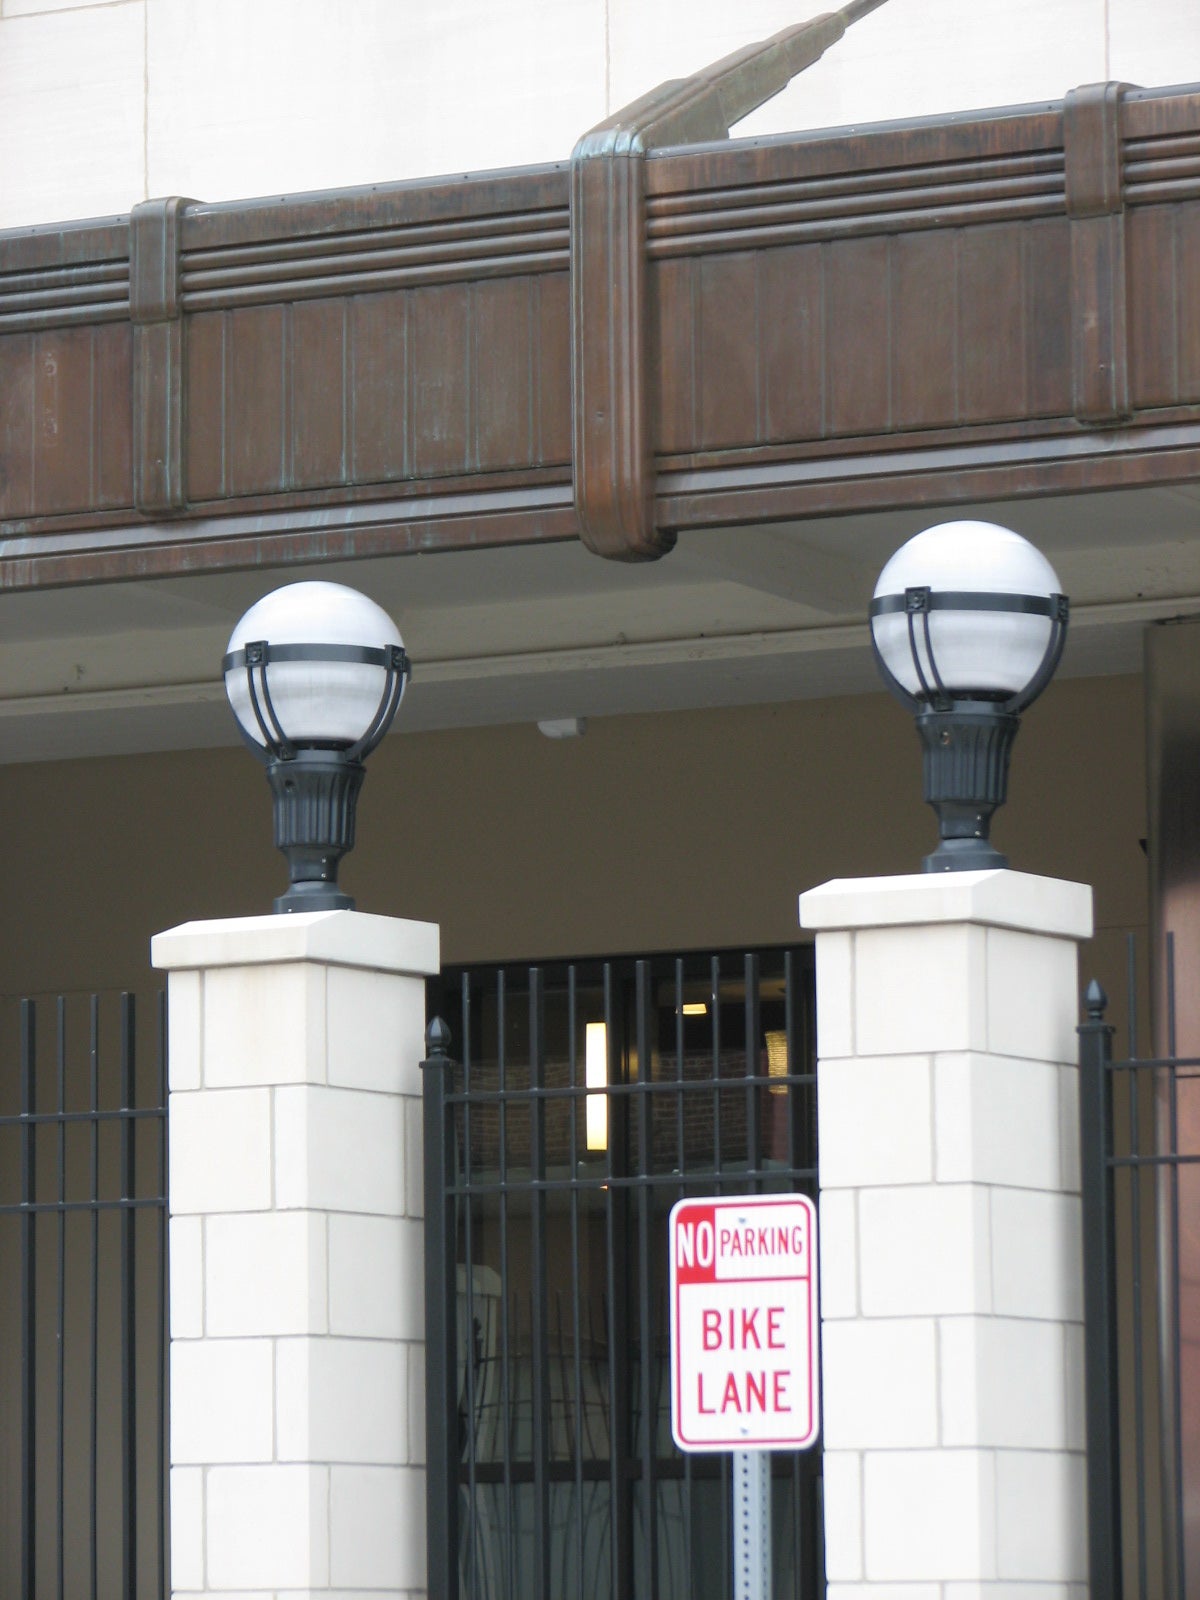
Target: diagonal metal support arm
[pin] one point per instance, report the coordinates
(708, 104)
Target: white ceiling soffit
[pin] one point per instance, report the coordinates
(731, 617)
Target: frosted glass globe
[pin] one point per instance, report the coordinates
(980, 652)
(330, 702)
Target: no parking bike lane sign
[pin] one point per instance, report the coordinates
(743, 1277)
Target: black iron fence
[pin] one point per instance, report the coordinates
(1140, 1174)
(83, 1345)
(572, 1107)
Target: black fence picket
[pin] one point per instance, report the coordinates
(1136, 1158)
(83, 1332)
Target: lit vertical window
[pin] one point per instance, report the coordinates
(595, 1075)
(777, 1060)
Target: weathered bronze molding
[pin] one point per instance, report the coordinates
(912, 315)
(613, 431)
(155, 233)
(1096, 207)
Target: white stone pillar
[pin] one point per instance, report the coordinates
(297, 1353)
(952, 1350)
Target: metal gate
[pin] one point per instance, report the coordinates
(82, 1298)
(570, 1107)
(1140, 1180)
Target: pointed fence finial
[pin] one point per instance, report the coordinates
(437, 1038)
(1096, 1002)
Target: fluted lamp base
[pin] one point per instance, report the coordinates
(965, 755)
(316, 797)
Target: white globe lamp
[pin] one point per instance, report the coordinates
(968, 624)
(315, 673)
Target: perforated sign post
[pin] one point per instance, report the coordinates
(744, 1348)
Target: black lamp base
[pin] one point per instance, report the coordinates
(316, 797)
(965, 755)
(313, 897)
(964, 855)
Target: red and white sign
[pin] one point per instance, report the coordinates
(744, 1323)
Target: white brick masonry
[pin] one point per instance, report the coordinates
(297, 1324)
(950, 1236)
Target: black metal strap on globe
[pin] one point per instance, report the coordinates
(258, 654)
(921, 601)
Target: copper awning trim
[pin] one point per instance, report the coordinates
(216, 271)
(760, 229)
(470, 228)
(336, 242)
(57, 276)
(370, 278)
(943, 477)
(327, 214)
(694, 484)
(882, 149)
(459, 248)
(913, 313)
(243, 540)
(55, 297)
(1038, 173)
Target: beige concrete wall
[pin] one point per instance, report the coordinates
(106, 102)
(692, 830)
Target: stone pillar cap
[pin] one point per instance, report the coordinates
(337, 938)
(996, 898)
